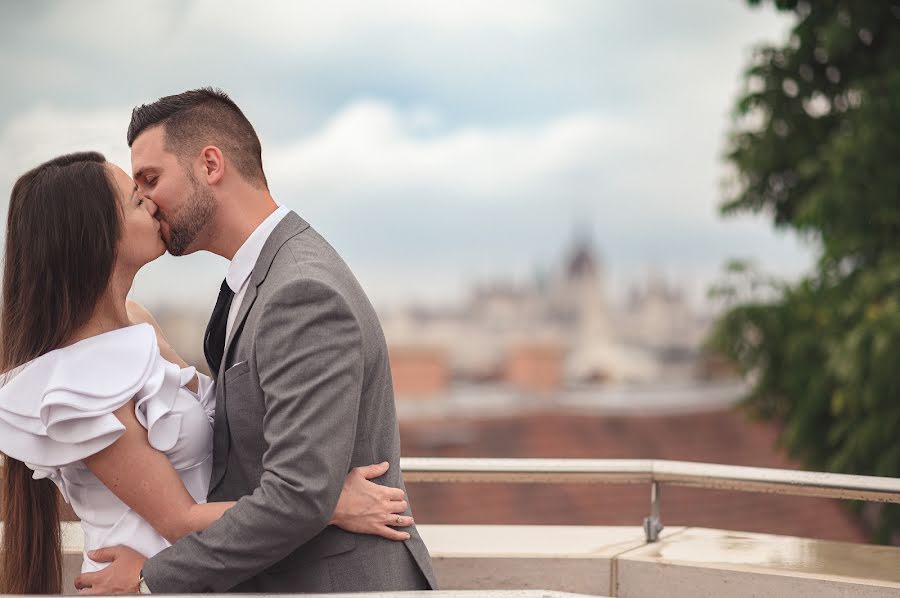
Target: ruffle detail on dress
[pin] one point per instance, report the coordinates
(155, 401)
(206, 394)
(58, 409)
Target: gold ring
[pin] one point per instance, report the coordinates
(399, 520)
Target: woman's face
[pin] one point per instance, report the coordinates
(141, 241)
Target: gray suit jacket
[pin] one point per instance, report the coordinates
(304, 394)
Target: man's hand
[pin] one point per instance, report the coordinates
(368, 508)
(121, 576)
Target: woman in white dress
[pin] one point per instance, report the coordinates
(93, 400)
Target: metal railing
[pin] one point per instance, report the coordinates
(654, 472)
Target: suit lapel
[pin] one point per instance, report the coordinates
(213, 367)
(243, 310)
(221, 438)
(290, 226)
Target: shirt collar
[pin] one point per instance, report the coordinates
(244, 260)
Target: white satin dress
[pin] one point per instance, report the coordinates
(58, 409)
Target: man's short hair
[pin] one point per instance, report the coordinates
(194, 119)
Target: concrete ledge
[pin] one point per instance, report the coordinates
(560, 561)
(702, 562)
(566, 558)
(439, 594)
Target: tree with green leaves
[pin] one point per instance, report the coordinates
(815, 145)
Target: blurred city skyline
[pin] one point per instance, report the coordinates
(436, 145)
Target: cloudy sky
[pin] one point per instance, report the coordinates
(433, 143)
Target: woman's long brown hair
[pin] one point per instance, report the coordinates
(61, 236)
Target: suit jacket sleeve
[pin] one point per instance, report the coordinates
(310, 364)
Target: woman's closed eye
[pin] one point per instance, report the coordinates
(139, 201)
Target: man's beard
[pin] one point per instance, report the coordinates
(193, 217)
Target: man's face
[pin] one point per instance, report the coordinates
(186, 205)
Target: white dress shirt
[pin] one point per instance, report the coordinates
(244, 260)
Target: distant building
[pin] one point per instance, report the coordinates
(568, 314)
(535, 368)
(559, 331)
(419, 371)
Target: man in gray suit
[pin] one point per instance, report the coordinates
(303, 383)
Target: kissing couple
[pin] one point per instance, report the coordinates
(281, 473)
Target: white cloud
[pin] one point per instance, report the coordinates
(297, 27)
(614, 165)
(398, 196)
(109, 24)
(279, 29)
(43, 132)
(430, 141)
(391, 151)
(381, 180)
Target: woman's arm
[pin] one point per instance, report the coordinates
(145, 480)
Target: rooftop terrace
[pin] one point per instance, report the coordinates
(640, 561)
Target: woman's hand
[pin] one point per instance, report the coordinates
(369, 508)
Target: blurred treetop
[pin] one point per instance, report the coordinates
(815, 144)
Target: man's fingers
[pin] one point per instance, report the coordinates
(398, 521)
(86, 580)
(89, 591)
(373, 471)
(393, 493)
(103, 555)
(397, 506)
(392, 534)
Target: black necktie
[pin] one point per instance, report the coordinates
(214, 343)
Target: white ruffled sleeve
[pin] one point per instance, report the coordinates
(207, 396)
(58, 409)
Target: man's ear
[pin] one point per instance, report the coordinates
(213, 164)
